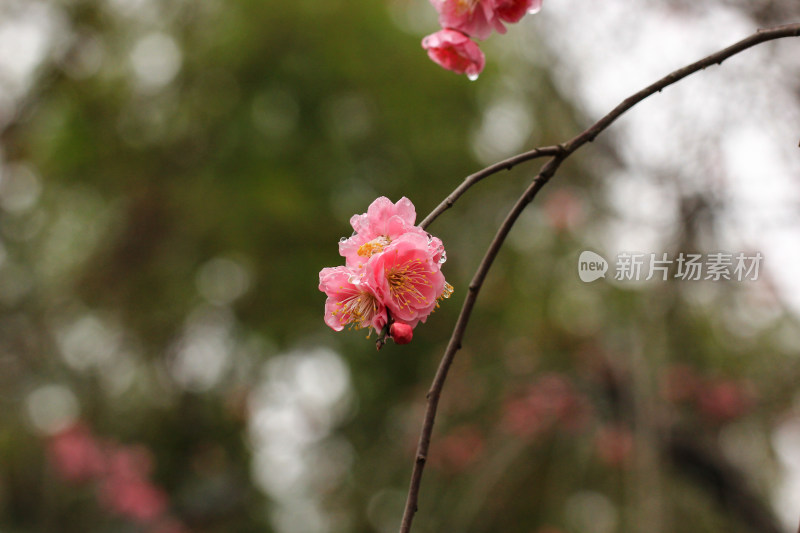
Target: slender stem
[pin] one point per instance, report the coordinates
(472, 179)
(458, 332)
(588, 135)
(558, 154)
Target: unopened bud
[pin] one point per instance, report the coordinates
(401, 333)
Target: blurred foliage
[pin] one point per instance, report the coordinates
(184, 169)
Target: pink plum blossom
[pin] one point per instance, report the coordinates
(407, 279)
(76, 454)
(475, 18)
(375, 229)
(392, 276)
(455, 51)
(350, 300)
(514, 10)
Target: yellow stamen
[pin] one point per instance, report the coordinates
(375, 246)
(357, 310)
(466, 5)
(405, 282)
(446, 292)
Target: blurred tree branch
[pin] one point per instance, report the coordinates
(558, 155)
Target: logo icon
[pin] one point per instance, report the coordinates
(591, 266)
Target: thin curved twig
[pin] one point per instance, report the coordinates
(588, 135)
(558, 155)
(469, 181)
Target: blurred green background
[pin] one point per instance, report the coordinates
(174, 176)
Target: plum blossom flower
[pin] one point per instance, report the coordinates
(475, 18)
(463, 20)
(392, 277)
(375, 229)
(350, 301)
(454, 50)
(407, 279)
(514, 10)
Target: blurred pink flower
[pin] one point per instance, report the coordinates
(460, 448)
(350, 301)
(550, 401)
(724, 400)
(120, 475)
(614, 445)
(475, 18)
(76, 454)
(514, 10)
(563, 210)
(407, 279)
(133, 498)
(455, 51)
(130, 462)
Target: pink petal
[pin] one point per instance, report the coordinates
(454, 51)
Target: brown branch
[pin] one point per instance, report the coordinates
(472, 179)
(588, 135)
(558, 155)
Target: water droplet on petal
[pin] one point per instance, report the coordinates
(536, 6)
(443, 258)
(343, 240)
(472, 77)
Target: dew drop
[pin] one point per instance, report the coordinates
(343, 240)
(472, 77)
(443, 257)
(535, 7)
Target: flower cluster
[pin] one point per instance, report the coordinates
(392, 277)
(453, 46)
(120, 474)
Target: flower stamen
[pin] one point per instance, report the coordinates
(375, 246)
(405, 282)
(357, 310)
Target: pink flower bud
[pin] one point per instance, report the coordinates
(401, 333)
(455, 51)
